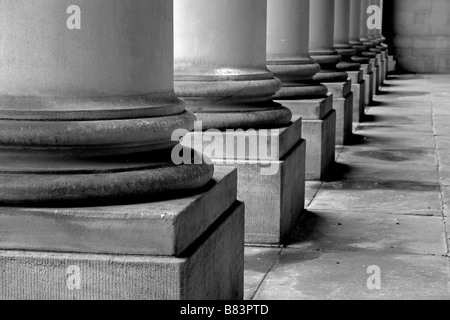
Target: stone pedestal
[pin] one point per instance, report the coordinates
(86, 169)
(359, 95)
(392, 64)
(223, 77)
(368, 81)
(343, 104)
(185, 249)
(319, 131)
(271, 175)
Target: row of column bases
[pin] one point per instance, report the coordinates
(93, 205)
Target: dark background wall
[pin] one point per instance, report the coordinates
(418, 32)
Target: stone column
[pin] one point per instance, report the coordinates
(322, 50)
(366, 37)
(87, 113)
(377, 34)
(221, 72)
(288, 58)
(348, 52)
(366, 57)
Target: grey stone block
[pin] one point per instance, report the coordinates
(319, 131)
(272, 186)
(211, 268)
(343, 104)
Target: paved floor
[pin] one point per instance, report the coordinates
(379, 228)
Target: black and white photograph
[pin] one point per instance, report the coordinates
(232, 157)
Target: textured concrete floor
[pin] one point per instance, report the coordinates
(385, 206)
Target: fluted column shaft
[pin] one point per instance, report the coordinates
(220, 63)
(70, 98)
(288, 49)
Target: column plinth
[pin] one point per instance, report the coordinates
(288, 50)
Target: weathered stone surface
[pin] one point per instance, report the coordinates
(319, 130)
(343, 275)
(271, 185)
(211, 268)
(378, 232)
(258, 262)
(164, 228)
(359, 91)
(343, 104)
(368, 81)
(387, 208)
(245, 145)
(274, 203)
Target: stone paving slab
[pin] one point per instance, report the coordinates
(386, 204)
(403, 156)
(386, 172)
(258, 262)
(399, 119)
(384, 233)
(312, 187)
(393, 197)
(303, 275)
(384, 138)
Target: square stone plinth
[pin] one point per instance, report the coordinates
(165, 228)
(368, 80)
(376, 70)
(383, 67)
(271, 185)
(343, 104)
(392, 63)
(319, 131)
(358, 89)
(211, 268)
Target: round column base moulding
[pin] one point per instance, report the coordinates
(229, 91)
(349, 66)
(93, 138)
(90, 108)
(346, 52)
(113, 181)
(361, 60)
(268, 115)
(369, 54)
(331, 76)
(293, 91)
(302, 70)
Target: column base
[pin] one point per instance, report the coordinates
(343, 104)
(209, 265)
(358, 89)
(319, 131)
(272, 186)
